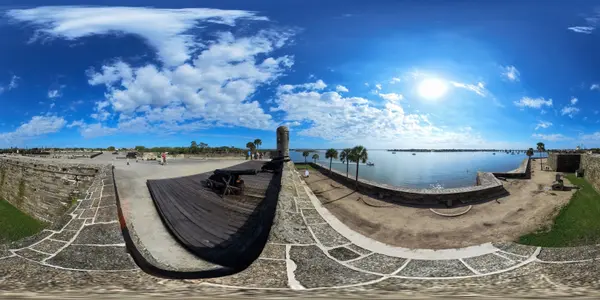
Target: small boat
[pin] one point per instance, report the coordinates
(393, 152)
(414, 154)
(370, 164)
(493, 153)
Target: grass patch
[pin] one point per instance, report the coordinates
(304, 167)
(15, 224)
(577, 224)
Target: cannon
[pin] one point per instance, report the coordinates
(228, 182)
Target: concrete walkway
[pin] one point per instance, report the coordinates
(148, 232)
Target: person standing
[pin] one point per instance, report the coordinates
(164, 158)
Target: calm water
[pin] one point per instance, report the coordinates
(425, 169)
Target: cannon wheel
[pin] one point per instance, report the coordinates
(209, 183)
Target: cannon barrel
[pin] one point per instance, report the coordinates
(236, 172)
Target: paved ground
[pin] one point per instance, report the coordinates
(526, 208)
(309, 253)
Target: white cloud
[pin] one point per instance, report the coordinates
(574, 100)
(511, 73)
(214, 89)
(36, 127)
(582, 29)
(394, 80)
(595, 112)
(13, 82)
(366, 84)
(378, 86)
(543, 124)
(52, 105)
(78, 123)
(595, 86)
(166, 30)
(336, 118)
(551, 137)
(341, 88)
(392, 97)
(591, 137)
(533, 102)
(478, 89)
(569, 111)
(54, 94)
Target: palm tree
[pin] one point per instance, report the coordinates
(530, 152)
(305, 154)
(541, 148)
(315, 157)
(257, 143)
(345, 158)
(331, 154)
(252, 147)
(358, 154)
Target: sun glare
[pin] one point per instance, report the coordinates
(432, 88)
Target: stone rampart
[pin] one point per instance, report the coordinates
(590, 163)
(489, 187)
(44, 190)
(523, 172)
(564, 162)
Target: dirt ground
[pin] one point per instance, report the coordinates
(528, 207)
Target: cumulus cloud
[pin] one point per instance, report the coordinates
(36, 127)
(595, 86)
(166, 30)
(333, 117)
(511, 73)
(551, 137)
(13, 82)
(394, 80)
(574, 101)
(341, 88)
(54, 94)
(533, 102)
(569, 111)
(392, 97)
(543, 124)
(591, 137)
(378, 86)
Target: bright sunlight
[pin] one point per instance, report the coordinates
(432, 88)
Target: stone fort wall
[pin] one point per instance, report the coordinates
(590, 163)
(488, 187)
(564, 162)
(43, 190)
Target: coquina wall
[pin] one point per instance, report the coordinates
(488, 187)
(564, 162)
(590, 163)
(43, 190)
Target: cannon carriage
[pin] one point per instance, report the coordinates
(228, 182)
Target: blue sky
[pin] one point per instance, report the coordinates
(402, 74)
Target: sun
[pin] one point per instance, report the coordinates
(432, 88)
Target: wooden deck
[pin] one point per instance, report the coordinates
(229, 231)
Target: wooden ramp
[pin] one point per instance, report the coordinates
(229, 231)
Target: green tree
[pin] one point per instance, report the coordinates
(140, 148)
(305, 154)
(251, 147)
(111, 148)
(541, 148)
(257, 143)
(194, 147)
(331, 154)
(315, 157)
(530, 152)
(358, 154)
(345, 158)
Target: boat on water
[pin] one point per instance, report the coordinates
(414, 154)
(393, 152)
(493, 153)
(370, 164)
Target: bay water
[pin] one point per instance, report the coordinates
(424, 169)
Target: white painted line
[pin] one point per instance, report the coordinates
(4, 257)
(358, 258)
(401, 267)
(109, 222)
(379, 247)
(566, 261)
(100, 245)
(38, 251)
(469, 267)
(290, 268)
(500, 255)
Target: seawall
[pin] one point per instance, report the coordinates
(488, 187)
(43, 190)
(564, 162)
